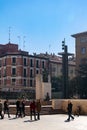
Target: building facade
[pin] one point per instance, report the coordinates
(18, 69)
(80, 48)
(55, 65)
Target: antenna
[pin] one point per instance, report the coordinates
(9, 33)
(24, 42)
(49, 48)
(19, 38)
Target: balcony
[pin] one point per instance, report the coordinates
(13, 75)
(14, 64)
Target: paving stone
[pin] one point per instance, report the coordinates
(47, 122)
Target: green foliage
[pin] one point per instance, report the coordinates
(82, 70)
(73, 87)
(78, 85)
(45, 75)
(56, 84)
(83, 80)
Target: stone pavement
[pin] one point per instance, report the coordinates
(47, 122)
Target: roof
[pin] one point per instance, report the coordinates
(79, 34)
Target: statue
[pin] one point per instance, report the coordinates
(45, 75)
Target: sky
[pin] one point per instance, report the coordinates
(40, 26)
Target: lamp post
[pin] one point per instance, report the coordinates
(65, 85)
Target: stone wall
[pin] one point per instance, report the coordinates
(62, 104)
(55, 106)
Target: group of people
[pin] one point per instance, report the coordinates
(35, 108)
(20, 108)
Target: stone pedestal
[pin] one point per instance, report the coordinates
(42, 88)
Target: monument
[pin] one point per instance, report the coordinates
(43, 87)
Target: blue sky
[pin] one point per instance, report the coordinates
(41, 25)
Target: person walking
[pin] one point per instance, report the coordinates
(38, 109)
(20, 108)
(23, 107)
(17, 108)
(78, 110)
(33, 110)
(1, 107)
(69, 108)
(6, 107)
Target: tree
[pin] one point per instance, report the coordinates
(73, 87)
(45, 75)
(56, 84)
(83, 80)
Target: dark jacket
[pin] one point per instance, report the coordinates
(38, 106)
(69, 108)
(0, 106)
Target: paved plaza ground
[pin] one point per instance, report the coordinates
(47, 122)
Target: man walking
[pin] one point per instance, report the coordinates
(23, 107)
(2, 115)
(69, 108)
(33, 110)
(6, 107)
(17, 108)
(38, 108)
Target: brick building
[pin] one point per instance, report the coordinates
(18, 69)
(80, 48)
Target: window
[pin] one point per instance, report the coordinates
(14, 71)
(24, 72)
(4, 81)
(43, 64)
(37, 71)
(14, 60)
(4, 73)
(31, 83)
(83, 39)
(37, 63)
(4, 62)
(31, 73)
(25, 62)
(31, 62)
(24, 82)
(13, 81)
(83, 50)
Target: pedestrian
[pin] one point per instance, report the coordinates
(6, 107)
(23, 107)
(78, 110)
(20, 108)
(38, 109)
(1, 110)
(17, 108)
(69, 109)
(32, 109)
